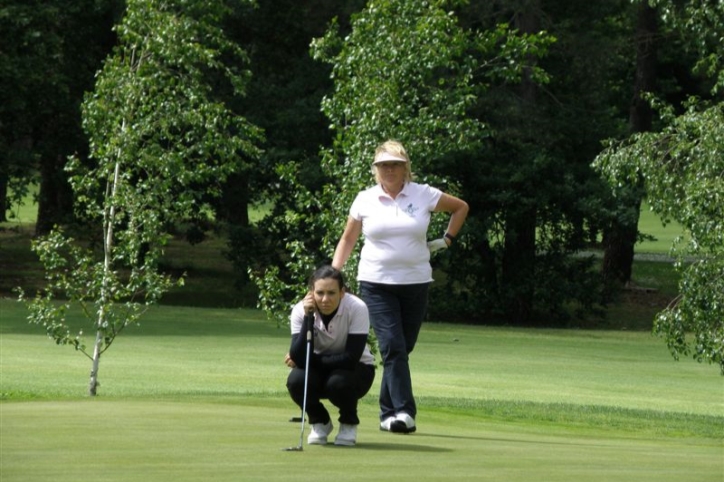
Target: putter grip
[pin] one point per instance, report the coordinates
(309, 322)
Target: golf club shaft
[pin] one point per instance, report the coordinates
(310, 327)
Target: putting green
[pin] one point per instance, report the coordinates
(198, 394)
(192, 441)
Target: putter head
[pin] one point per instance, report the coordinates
(298, 448)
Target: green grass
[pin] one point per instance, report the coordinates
(209, 276)
(198, 394)
(26, 213)
(650, 224)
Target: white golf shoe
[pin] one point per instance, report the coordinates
(386, 423)
(347, 435)
(403, 423)
(319, 433)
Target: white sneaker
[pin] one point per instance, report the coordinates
(403, 423)
(347, 435)
(386, 423)
(319, 433)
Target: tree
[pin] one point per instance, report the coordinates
(283, 98)
(50, 52)
(682, 169)
(536, 201)
(520, 221)
(621, 234)
(160, 142)
(405, 71)
(28, 43)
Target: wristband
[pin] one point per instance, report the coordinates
(450, 237)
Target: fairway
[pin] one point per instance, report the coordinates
(198, 394)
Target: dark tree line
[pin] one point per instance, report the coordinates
(532, 181)
(50, 53)
(534, 198)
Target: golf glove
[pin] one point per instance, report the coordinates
(436, 245)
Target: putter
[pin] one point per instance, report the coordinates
(310, 327)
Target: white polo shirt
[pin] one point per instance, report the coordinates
(352, 317)
(395, 230)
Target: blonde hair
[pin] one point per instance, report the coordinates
(396, 148)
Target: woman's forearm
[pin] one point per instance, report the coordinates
(342, 253)
(346, 243)
(457, 219)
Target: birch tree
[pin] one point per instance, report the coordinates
(162, 140)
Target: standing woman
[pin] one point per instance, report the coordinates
(394, 268)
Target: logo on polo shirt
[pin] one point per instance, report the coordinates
(410, 209)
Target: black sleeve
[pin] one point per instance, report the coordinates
(298, 347)
(351, 355)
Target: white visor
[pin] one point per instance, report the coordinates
(388, 157)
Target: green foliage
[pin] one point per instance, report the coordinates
(534, 200)
(51, 50)
(407, 71)
(682, 168)
(161, 142)
(155, 109)
(283, 98)
(74, 273)
(700, 23)
(26, 43)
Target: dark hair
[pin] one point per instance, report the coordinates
(324, 272)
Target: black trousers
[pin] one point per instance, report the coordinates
(396, 314)
(343, 388)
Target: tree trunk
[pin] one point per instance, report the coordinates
(518, 267)
(108, 221)
(55, 196)
(620, 237)
(93, 385)
(3, 198)
(233, 206)
(518, 263)
(619, 241)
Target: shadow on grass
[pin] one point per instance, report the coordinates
(399, 447)
(503, 440)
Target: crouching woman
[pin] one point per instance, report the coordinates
(341, 366)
